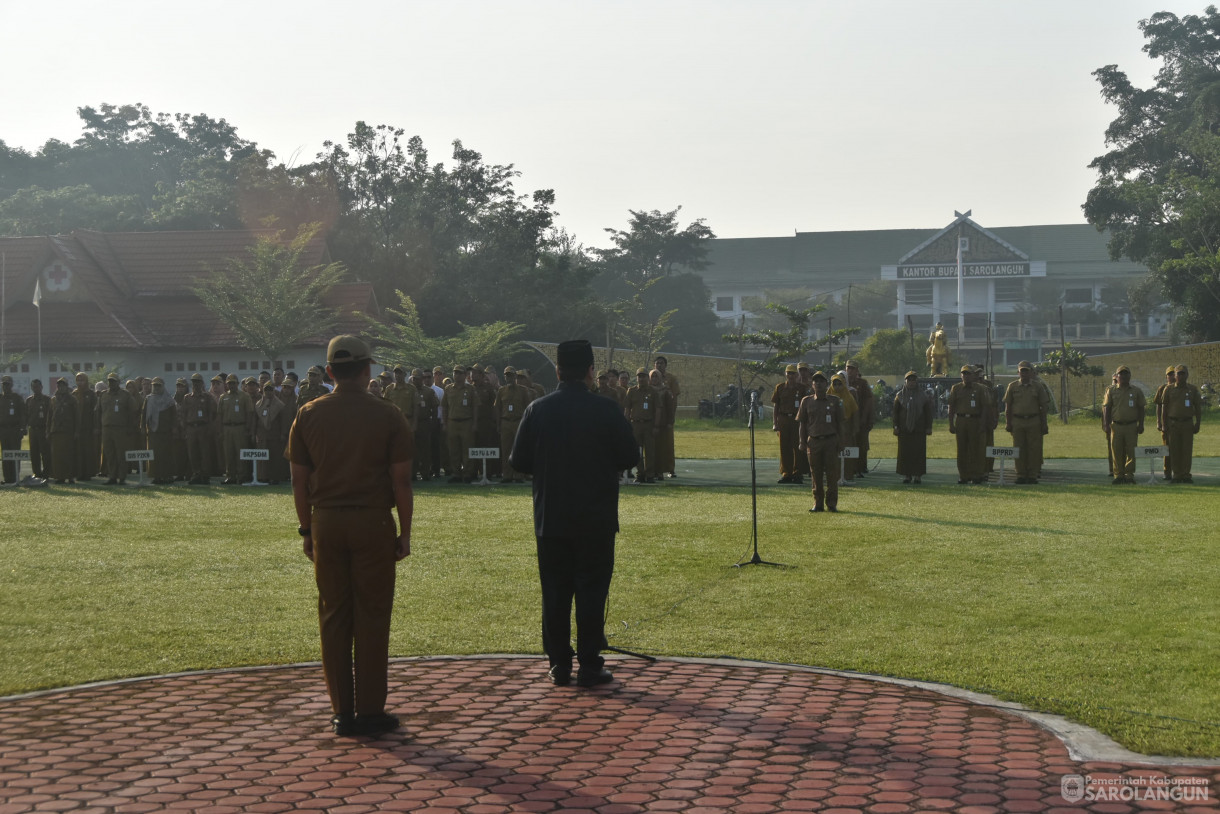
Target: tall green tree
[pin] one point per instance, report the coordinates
(273, 300)
(1158, 188)
(653, 245)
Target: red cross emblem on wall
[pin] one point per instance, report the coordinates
(58, 276)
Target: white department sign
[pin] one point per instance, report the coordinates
(1151, 452)
(140, 455)
(16, 455)
(255, 455)
(849, 452)
(1003, 452)
(483, 453)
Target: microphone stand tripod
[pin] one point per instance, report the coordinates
(755, 560)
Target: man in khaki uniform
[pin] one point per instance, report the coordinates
(666, 411)
(510, 402)
(427, 425)
(117, 415)
(665, 439)
(12, 425)
(486, 428)
(642, 402)
(1159, 401)
(351, 467)
(37, 417)
(1026, 407)
(87, 456)
(405, 396)
(822, 431)
(459, 414)
(237, 419)
(785, 402)
(198, 420)
(1122, 419)
(63, 434)
(968, 415)
(313, 387)
(866, 413)
(1182, 409)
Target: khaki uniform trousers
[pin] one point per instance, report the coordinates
(646, 441)
(460, 437)
(824, 467)
(788, 440)
(88, 457)
(970, 452)
(1123, 440)
(233, 440)
(40, 451)
(199, 449)
(114, 452)
(354, 568)
(508, 434)
(1027, 437)
(1181, 437)
(424, 432)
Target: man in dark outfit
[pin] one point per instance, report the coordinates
(351, 464)
(575, 442)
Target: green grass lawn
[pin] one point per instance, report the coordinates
(1077, 600)
(1081, 438)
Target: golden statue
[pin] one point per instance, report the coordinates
(938, 352)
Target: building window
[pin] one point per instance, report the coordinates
(88, 366)
(1077, 296)
(919, 294)
(216, 366)
(25, 368)
(180, 366)
(1009, 290)
(241, 365)
(292, 365)
(52, 367)
(724, 304)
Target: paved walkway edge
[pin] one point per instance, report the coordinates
(1084, 744)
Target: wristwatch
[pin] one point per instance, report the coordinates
(304, 532)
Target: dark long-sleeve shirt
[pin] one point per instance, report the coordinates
(574, 443)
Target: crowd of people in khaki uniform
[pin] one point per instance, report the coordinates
(815, 417)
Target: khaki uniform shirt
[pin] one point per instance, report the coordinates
(821, 418)
(787, 398)
(117, 408)
(1182, 402)
(510, 402)
(38, 412)
(641, 405)
(1126, 404)
(460, 402)
(405, 397)
(198, 410)
(1026, 401)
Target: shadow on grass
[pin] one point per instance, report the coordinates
(942, 521)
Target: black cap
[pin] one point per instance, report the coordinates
(575, 354)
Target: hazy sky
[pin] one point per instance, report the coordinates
(762, 117)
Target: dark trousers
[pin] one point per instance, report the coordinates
(354, 568)
(40, 451)
(581, 568)
(824, 465)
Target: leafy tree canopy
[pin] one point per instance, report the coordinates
(401, 340)
(1158, 187)
(784, 347)
(889, 352)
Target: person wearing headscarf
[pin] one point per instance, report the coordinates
(158, 419)
(62, 431)
(913, 413)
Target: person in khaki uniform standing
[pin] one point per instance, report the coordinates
(1026, 406)
(822, 431)
(666, 411)
(968, 415)
(199, 416)
(1182, 412)
(351, 467)
(12, 425)
(37, 417)
(405, 396)
(63, 434)
(913, 414)
(87, 456)
(510, 403)
(785, 401)
(486, 429)
(866, 416)
(271, 433)
(459, 415)
(158, 419)
(237, 421)
(642, 413)
(118, 416)
(665, 438)
(426, 425)
(1122, 419)
(1159, 401)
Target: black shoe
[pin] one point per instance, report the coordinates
(375, 723)
(816, 509)
(834, 509)
(559, 675)
(111, 482)
(1188, 479)
(1032, 481)
(455, 479)
(977, 480)
(906, 480)
(343, 724)
(592, 678)
(1021, 481)
(962, 482)
(798, 480)
(785, 479)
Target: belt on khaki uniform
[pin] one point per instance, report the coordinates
(967, 415)
(1187, 418)
(1031, 415)
(820, 437)
(234, 423)
(459, 419)
(1124, 423)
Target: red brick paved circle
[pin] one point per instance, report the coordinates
(490, 735)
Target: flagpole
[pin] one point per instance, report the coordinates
(38, 305)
